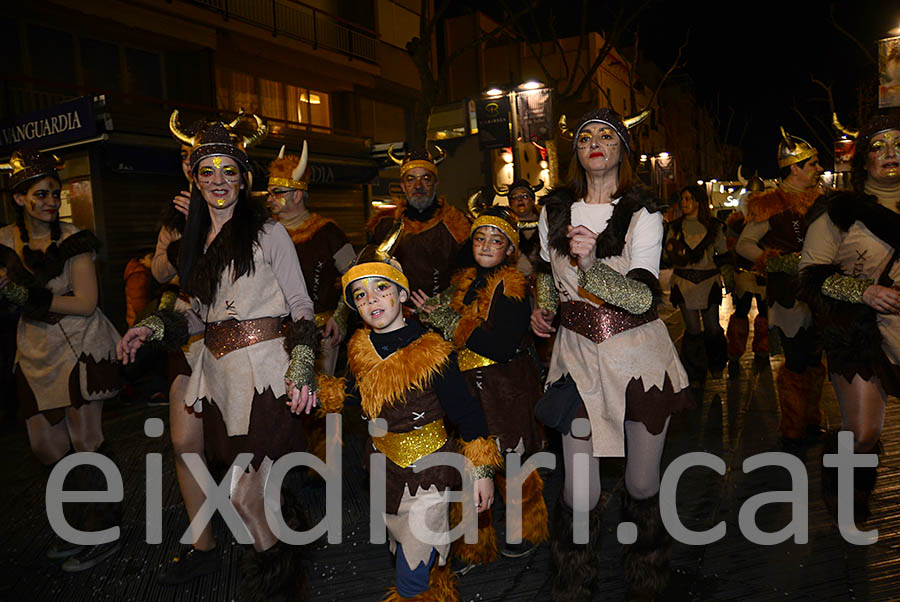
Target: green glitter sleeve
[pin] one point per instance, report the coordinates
(604, 282)
(546, 293)
(846, 288)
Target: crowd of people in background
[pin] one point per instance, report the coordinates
(482, 334)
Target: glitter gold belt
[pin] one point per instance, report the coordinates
(469, 360)
(404, 449)
(230, 335)
(600, 323)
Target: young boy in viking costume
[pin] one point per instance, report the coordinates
(409, 378)
(486, 316)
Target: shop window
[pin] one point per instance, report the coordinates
(100, 61)
(144, 73)
(271, 98)
(52, 53)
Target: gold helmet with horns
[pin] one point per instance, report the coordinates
(377, 261)
(419, 157)
(27, 164)
(218, 138)
(607, 117)
(793, 149)
(290, 171)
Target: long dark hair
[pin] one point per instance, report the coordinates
(577, 176)
(699, 194)
(200, 272)
(31, 257)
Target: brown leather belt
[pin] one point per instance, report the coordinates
(695, 276)
(230, 335)
(600, 323)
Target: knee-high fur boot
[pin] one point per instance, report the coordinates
(693, 356)
(716, 350)
(760, 345)
(443, 586)
(533, 508)
(573, 567)
(484, 551)
(646, 561)
(736, 335)
(279, 573)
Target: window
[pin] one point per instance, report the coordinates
(272, 99)
(101, 65)
(144, 73)
(271, 96)
(309, 107)
(51, 53)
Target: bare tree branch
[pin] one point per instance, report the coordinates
(850, 36)
(675, 64)
(822, 142)
(582, 39)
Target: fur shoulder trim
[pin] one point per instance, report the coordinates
(384, 382)
(305, 231)
(846, 208)
(456, 222)
(763, 205)
(482, 451)
(508, 281)
(48, 264)
(379, 215)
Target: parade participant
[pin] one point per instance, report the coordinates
(409, 378)
(695, 245)
(322, 248)
(748, 285)
(603, 239)
(849, 272)
(487, 320)
(185, 421)
(521, 196)
(772, 240)
(254, 372)
(65, 361)
(433, 230)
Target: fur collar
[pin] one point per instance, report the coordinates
(384, 382)
(453, 219)
(474, 314)
(48, 264)
(847, 208)
(691, 255)
(764, 205)
(305, 231)
(610, 242)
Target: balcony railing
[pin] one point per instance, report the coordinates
(301, 22)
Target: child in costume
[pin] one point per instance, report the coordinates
(486, 316)
(409, 378)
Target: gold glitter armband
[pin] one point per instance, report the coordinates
(846, 288)
(609, 285)
(301, 369)
(15, 293)
(156, 325)
(786, 263)
(167, 300)
(485, 471)
(546, 293)
(443, 318)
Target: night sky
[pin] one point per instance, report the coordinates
(757, 57)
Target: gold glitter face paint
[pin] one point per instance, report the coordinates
(217, 162)
(884, 156)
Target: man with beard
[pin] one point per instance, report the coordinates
(433, 230)
(772, 240)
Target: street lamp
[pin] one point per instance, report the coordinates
(512, 93)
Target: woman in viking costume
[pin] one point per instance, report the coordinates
(603, 239)
(850, 273)
(65, 361)
(322, 248)
(486, 316)
(521, 196)
(695, 245)
(185, 422)
(408, 379)
(254, 372)
(748, 285)
(772, 240)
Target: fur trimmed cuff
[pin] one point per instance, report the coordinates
(331, 394)
(37, 304)
(175, 328)
(482, 451)
(810, 282)
(302, 332)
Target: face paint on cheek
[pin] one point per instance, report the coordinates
(392, 302)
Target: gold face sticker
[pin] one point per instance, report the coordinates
(217, 161)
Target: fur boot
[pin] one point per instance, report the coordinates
(573, 567)
(482, 552)
(443, 586)
(646, 561)
(279, 573)
(736, 335)
(792, 397)
(716, 351)
(760, 344)
(693, 357)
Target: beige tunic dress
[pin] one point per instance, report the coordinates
(603, 371)
(693, 293)
(47, 353)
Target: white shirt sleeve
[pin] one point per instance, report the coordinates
(820, 245)
(646, 242)
(542, 233)
(748, 244)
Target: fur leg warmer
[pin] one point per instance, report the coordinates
(693, 356)
(647, 560)
(443, 586)
(716, 350)
(792, 397)
(736, 335)
(279, 573)
(485, 550)
(535, 518)
(760, 335)
(573, 567)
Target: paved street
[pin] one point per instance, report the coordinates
(736, 419)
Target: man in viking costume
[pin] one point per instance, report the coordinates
(322, 248)
(433, 230)
(850, 273)
(772, 240)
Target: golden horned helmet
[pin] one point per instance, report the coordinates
(792, 149)
(606, 117)
(290, 171)
(218, 138)
(419, 157)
